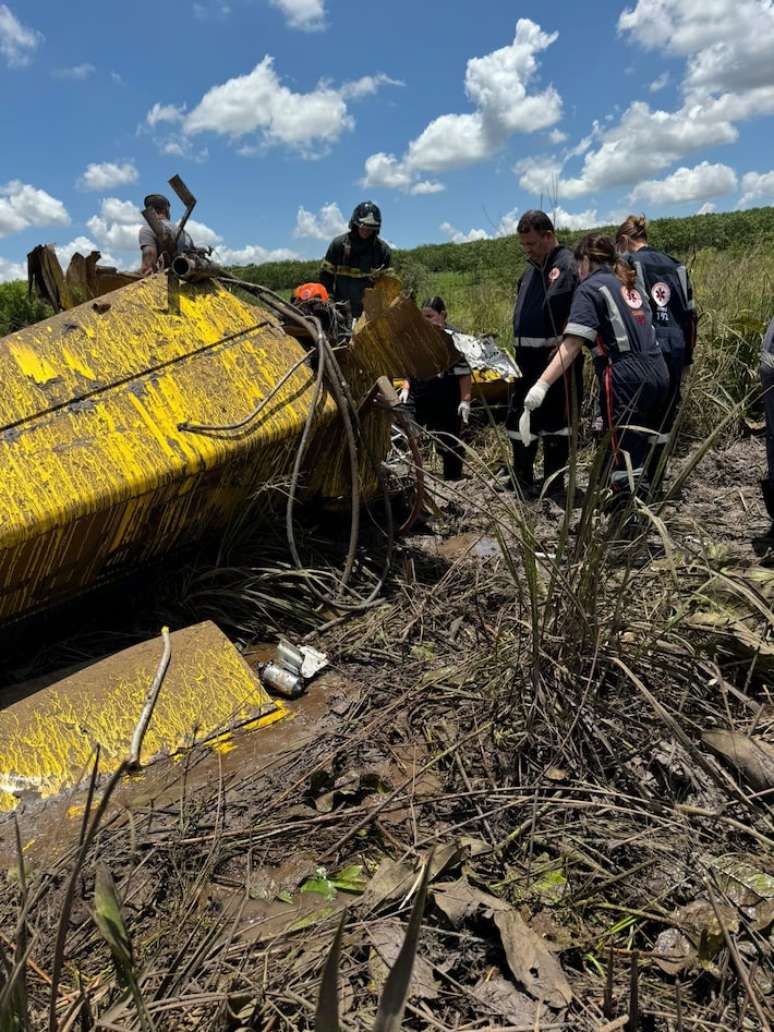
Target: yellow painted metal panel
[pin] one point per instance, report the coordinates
(95, 472)
(47, 740)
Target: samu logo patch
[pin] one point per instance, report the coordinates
(632, 297)
(661, 293)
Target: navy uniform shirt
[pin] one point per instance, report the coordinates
(665, 283)
(610, 318)
(543, 300)
(349, 265)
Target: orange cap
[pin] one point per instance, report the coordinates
(308, 291)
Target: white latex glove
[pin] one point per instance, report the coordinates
(463, 411)
(535, 396)
(403, 395)
(524, 428)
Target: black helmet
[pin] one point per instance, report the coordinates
(368, 215)
(158, 202)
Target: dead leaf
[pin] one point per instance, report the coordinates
(531, 962)
(676, 952)
(752, 757)
(502, 999)
(387, 938)
(459, 900)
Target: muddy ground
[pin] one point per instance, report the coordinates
(595, 864)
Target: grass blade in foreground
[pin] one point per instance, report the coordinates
(327, 1014)
(396, 988)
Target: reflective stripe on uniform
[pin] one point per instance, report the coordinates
(461, 370)
(682, 275)
(640, 279)
(575, 329)
(536, 342)
(616, 320)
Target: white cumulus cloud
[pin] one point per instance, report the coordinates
(108, 175)
(427, 186)
(756, 186)
(326, 223)
(307, 15)
(508, 225)
(23, 206)
(687, 184)
(259, 104)
(575, 220)
(18, 42)
(497, 85)
(539, 176)
(254, 254)
(458, 237)
(82, 245)
(707, 208)
(165, 113)
(12, 270)
(727, 42)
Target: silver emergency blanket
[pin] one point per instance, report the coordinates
(483, 353)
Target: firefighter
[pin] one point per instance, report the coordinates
(352, 258)
(442, 403)
(149, 245)
(767, 382)
(664, 282)
(543, 298)
(611, 316)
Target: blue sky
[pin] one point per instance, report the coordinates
(282, 114)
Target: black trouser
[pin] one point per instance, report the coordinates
(550, 423)
(633, 391)
(435, 406)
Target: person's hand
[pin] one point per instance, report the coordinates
(536, 396)
(403, 394)
(463, 411)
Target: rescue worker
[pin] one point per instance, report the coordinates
(611, 316)
(664, 282)
(149, 245)
(442, 403)
(543, 298)
(352, 258)
(767, 382)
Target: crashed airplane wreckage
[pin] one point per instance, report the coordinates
(139, 419)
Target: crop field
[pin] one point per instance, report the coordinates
(532, 793)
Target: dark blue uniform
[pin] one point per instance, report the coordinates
(435, 403)
(767, 382)
(664, 282)
(615, 323)
(543, 300)
(349, 265)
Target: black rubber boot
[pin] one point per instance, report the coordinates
(524, 469)
(767, 490)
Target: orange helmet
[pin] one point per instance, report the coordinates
(310, 291)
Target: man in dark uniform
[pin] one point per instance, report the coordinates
(543, 299)
(353, 258)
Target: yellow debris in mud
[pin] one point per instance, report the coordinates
(47, 740)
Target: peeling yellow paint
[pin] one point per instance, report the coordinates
(33, 364)
(47, 741)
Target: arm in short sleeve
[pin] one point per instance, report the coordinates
(584, 320)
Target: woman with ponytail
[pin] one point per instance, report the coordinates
(611, 317)
(664, 282)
